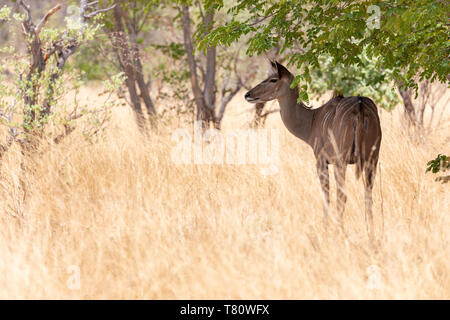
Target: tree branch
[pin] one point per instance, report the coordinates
(12, 129)
(44, 19)
(198, 94)
(27, 10)
(96, 12)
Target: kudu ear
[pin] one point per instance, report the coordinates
(282, 71)
(274, 66)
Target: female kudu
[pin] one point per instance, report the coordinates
(343, 131)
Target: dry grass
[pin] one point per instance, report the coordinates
(139, 226)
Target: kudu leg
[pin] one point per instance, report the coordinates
(341, 197)
(369, 178)
(322, 171)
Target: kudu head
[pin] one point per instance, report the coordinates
(275, 86)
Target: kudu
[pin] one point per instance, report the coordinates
(345, 130)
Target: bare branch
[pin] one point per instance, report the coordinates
(27, 24)
(67, 130)
(226, 99)
(44, 20)
(265, 114)
(93, 3)
(11, 113)
(13, 130)
(96, 12)
(201, 10)
(26, 8)
(76, 116)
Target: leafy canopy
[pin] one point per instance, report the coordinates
(410, 37)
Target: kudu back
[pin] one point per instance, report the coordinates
(345, 130)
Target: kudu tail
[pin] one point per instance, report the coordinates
(359, 138)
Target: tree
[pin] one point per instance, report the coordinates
(416, 105)
(128, 20)
(408, 36)
(37, 82)
(164, 31)
(39, 79)
(205, 98)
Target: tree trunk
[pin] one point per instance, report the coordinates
(198, 94)
(136, 58)
(145, 94)
(410, 112)
(209, 92)
(121, 44)
(37, 67)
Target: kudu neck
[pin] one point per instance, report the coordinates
(297, 117)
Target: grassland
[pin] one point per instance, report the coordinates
(139, 226)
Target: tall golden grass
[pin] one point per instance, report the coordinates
(139, 226)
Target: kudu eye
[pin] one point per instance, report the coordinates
(273, 80)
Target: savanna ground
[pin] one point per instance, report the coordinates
(139, 226)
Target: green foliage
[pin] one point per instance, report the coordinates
(174, 50)
(174, 88)
(26, 91)
(91, 62)
(179, 91)
(138, 11)
(5, 12)
(367, 79)
(440, 164)
(411, 39)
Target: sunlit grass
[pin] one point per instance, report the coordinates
(139, 226)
